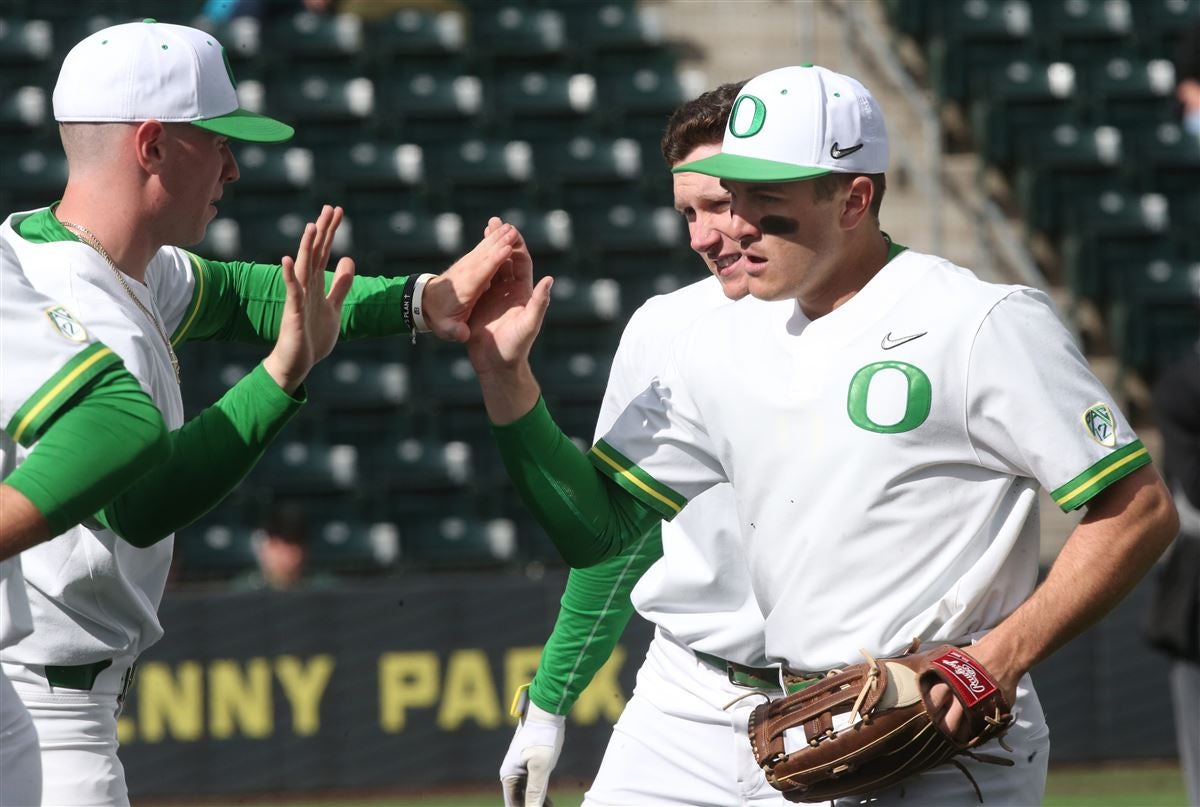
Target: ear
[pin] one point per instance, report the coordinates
(150, 143)
(858, 203)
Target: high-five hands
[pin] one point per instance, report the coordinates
(311, 318)
(450, 297)
(509, 315)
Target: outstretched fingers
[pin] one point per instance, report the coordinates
(343, 278)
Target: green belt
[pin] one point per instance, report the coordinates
(80, 676)
(740, 674)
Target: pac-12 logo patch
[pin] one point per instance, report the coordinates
(66, 324)
(1101, 424)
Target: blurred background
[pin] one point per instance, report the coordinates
(357, 615)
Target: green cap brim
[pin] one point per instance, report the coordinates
(242, 125)
(749, 169)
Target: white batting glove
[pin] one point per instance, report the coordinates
(532, 754)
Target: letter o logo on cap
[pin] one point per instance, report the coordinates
(756, 119)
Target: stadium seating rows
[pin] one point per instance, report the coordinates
(422, 122)
(1074, 101)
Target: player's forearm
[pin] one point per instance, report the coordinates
(213, 452)
(588, 517)
(111, 435)
(509, 394)
(243, 302)
(594, 612)
(1125, 530)
(22, 525)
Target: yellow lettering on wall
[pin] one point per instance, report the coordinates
(170, 703)
(469, 692)
(603, 695)
(237, 701)
(406, 680)
(304, 685)
(520, 663)
(126, 730)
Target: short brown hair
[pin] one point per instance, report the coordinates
(699, 122)
(824, 187)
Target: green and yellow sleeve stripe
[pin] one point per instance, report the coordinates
(655, 495)
(193, 309)
(1080, 490)
(27, 423)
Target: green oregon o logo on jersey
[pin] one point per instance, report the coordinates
(756, 119)
(917, 405)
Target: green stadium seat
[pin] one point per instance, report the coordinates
(575, 377)
(1132, 92)
(1025, 100)
(1077, 30)
(591, 170)
(1168, 158)
(420, 464)
(579, 301)
(404, 242)
(431, 105)
(212, 550)
(477, 177)
(974, 37)
(508, 36)
(307, 36)
(374, 176)
(223, 241)
(638, 103)
(33, 177)
(1161, 23)
(418, 39)
(351, 546)
(627, 241)
(272, 177)
(544, 105)
(1156, 318)
(266, 238)
(25, 117)
(295, 468)
(614, 33)
(549, 234)
(27, 51)
(459, 542)
(324, 108)
(359, 398)
(1072, 162)
(1108, 234)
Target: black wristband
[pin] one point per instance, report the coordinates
(406, 300)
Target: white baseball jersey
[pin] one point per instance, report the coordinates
(885, 457)
(700, 590)
(92, 595)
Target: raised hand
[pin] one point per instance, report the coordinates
(311, 318)
(450, 297)
(509, 315)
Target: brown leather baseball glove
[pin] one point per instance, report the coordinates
(868, 726)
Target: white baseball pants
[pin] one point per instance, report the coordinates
(20, 758)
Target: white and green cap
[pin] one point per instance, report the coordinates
(153, 70)
(798, 123)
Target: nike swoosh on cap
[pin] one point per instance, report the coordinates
(837, 153)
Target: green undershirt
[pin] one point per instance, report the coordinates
(594, 612)
(96, 445)
(211, 455)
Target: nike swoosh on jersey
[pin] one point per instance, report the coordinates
(887, 343)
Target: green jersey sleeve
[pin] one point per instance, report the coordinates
(238, 301)
(589, 517)
(595, 610)
(211, 454)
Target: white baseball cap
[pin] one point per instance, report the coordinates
(153, 70)
(798, 123)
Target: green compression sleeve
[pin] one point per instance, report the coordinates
(595, 610)
(103, 440)
(588, 517)
(243, 302)
(213, 452)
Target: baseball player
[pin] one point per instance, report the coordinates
(709, 627)
(91, 430)
(884, 418)
(147, 111)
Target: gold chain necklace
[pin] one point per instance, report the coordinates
(88, 237)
